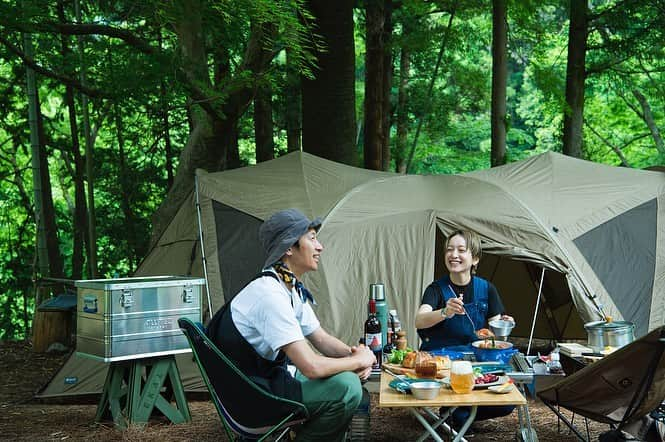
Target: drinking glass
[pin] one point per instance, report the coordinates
(425, 365)
(461, 377)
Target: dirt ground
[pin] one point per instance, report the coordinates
(23, 418)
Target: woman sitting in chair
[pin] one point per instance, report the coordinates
(269, 320)
(455, 308)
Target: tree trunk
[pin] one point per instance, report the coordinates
(575, 72)
(49, 260)
(402, 111)
(374, 58)
(80, 205)
(213, 140)
(197, 151)
(51, 229)
(133, 242)
(328, 100)
(168, 149)
(647, 116)
(35, 145)
(89, 162)
(79, 220)
(387, 83)
(499, 80)
(293, 106)
(229, 130)
(50, 327)
(263, 127)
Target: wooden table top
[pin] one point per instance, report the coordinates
(389, 397)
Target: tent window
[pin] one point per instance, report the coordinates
(622, 252)
(239, 251)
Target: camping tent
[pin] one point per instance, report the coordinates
(596, 229)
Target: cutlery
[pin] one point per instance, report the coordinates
(465, 312)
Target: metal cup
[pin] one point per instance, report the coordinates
(501, 328)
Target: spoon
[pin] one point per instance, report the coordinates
(465, 312)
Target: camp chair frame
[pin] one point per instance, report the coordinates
(645, 398)
(295, 412)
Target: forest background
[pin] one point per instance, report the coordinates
(108, 107)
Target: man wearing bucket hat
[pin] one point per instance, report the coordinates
(272, 319)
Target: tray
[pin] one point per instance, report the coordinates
(411, 372)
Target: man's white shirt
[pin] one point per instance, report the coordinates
(269, 316)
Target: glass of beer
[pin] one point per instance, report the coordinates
(461, 377)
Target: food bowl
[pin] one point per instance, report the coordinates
(425, 390)
(502, 351)
(501, 328)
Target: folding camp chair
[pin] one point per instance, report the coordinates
(620, 389)
(246, 410)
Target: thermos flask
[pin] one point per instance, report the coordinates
(378, 293)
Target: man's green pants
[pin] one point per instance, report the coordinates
(331, 403)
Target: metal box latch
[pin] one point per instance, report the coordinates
(187, 295)
(127, 298)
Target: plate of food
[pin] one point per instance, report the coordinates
(504, 388)
(483, 381)
(421, 365)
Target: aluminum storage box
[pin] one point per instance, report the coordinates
(131, 318)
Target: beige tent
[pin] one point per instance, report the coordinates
(595, 230)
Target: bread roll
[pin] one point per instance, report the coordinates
(442, 362)
(409, 360)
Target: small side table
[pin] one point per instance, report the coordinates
(135, 388)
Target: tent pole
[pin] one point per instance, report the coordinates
(203, 250)
(535, 313)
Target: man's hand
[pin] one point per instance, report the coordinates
(364, 355)
(359, 350)
(364, 373)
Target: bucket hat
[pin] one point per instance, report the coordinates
(282, 230)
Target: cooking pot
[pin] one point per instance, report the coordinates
(601, 334)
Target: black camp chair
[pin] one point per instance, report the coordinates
(247, 411)
(618, 390)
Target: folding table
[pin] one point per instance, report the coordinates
(430, 419)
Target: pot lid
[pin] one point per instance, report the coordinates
(604, 325)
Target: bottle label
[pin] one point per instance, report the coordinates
(373, 341)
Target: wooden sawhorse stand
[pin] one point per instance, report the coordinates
(133, 389)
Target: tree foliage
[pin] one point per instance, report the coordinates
(171, 83)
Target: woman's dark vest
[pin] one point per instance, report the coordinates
(270, 375)
(458, 330)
